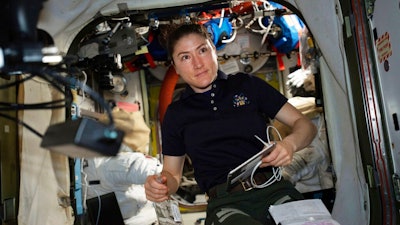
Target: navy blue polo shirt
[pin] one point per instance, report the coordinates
(216, 129)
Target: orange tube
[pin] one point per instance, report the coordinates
(167, 91)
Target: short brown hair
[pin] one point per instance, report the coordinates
(173, 33)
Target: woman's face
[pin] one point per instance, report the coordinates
(195, 60)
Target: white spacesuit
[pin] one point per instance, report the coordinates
(124, 175)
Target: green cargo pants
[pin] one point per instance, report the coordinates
(249, 207)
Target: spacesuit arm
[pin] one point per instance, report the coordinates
(128, 168)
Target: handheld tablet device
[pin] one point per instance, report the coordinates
(244, 170)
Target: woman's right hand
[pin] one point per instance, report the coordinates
(156, 188)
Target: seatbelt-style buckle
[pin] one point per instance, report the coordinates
(247, 186)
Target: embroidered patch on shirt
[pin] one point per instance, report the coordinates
(240, 100)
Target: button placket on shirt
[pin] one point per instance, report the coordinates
(212, 101)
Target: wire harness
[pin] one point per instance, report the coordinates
(276, 171)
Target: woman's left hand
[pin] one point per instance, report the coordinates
(282, 155)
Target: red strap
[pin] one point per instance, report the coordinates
(150, 60)
(130, 66)
(298, 60)
(281, 65)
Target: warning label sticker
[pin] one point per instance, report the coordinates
(383, 47)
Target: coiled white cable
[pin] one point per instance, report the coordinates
(276, 171)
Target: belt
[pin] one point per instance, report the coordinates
(245, 185)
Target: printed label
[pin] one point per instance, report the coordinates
(383, 47)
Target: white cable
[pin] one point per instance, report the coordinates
(99, 210)
(276, 171)
(83, 83)
(276, 176)
(2, 59)
(234, 28)
(232, 38)
(86, 184)
(276, 130)
(221, 20)
(264, 29)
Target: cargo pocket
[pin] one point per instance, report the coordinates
(282, 196)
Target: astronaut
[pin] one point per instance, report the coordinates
(125, 173)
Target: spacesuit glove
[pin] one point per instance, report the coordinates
(298, 77)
